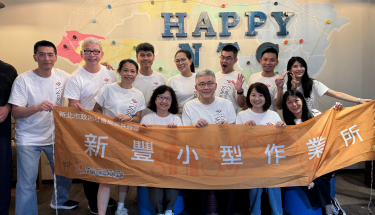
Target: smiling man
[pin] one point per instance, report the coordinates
(268, 76)
(147, 79)
(35, 94)
(81, 90)
(230, 83)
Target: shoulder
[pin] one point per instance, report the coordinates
(137, 92)
(61, 73)
(222, 101)
(77, 73)
(158, 74)
(193, 102)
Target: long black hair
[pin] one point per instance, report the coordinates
(307, 82)
(188, 55)
(288, 115)
(173, 109)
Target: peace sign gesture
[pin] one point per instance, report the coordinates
(294, 81)
(280, 80)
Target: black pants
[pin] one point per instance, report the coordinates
(91, 193)
(6, 174)
(159, 195)
(320, 193)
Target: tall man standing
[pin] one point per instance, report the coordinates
(147, 79)
(81, 89)
(230, 83)
(34, 96)
(7, 76)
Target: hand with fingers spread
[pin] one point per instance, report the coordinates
(251, 122)
(171, 125)
(238, 84)
(107, 65)
(280, 80)
(337, 106)
(122, 118)
(280, 124)
(222, 122)
(294, 81)
(201, 123)
(45, 106)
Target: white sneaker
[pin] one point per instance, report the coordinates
(124, 211)
(168, 212)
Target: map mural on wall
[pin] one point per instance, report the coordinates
(309, 26)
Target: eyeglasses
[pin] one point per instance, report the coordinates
(226, 58)
(202, 84)
(88, 52)
(42, 55)
(182, 60)
(165, 98)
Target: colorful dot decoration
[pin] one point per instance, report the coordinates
(109, 6)
(275, 3)
(113, 42)
(65, 46)
(301, 41)
(328, 21)
(74, 37)
(94, 20)
(134, 47)
(286, 42)
(223, 5)
(152, 2)
(247, 62)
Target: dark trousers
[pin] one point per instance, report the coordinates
(159, 195)
(91, 193)
(195, 201)
(320, 193)
(6, 174)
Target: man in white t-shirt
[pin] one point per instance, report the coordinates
(230, 83)
(34, 96)
(268, 61)
(81, 88)
(147, 79)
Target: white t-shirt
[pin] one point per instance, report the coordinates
(220, 109)
(84, 85)
(269, 82)
(184, 88)
(147, 85)
(30, 89)
(116, 100)
(154, 119)
(314, 113)
(318, 90)
(266, 118)
(226, 90)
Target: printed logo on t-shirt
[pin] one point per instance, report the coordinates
(156, 83)
(58, 91)
(135, 101)
(268, 85)
(224, 91)
(269, 123)
(196, 94)
(131, 108)
(219, 116)
(106, 81)
(58, 84)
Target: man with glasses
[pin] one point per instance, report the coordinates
(34, 96)
(230, 84)
(200, 112)
(81, 89)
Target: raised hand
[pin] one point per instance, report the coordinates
(294, 81)
(238, 84)
(280, 80)
(337, 106)
(280, 124)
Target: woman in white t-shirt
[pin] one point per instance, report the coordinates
(299, 79)
(164, 105)
(258, 100)
(184, 83)
(124, 103)
(296, 111)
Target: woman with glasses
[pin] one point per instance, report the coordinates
(184, 83)
(124, 103)
(164, 105)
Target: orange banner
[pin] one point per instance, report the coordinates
(93, 147)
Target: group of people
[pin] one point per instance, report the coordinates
(142, 96)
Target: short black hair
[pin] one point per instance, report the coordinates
(144, 47)
(288, 115)
(44, 43)
(188, 55)
(260, 88)
(230, 48)
(160, 90)
(123, 62)
(270, 50)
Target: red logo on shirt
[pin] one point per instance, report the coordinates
(135, 101)
(58, 84)
(268, 85)
(268, 123)
(156, 83)
(228, 81)
(106, 79)
(219, 111)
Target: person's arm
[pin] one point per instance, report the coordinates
(239, 90)
(345, 97)
(280, 90)
(75, 103)
(137, 117)
(97, 108)
(24, 112)
(4, 111)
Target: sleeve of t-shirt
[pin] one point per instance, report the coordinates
(101, 96)
(162, 79)
(114, 77)
(320, 88)
(177, 120)
(142, 102)
(72, 89)
(145, 119)
(169, 82)
(239, 119)
(231, 113)
(18, 94)
(186, 120)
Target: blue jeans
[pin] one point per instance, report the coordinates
(27, 172)
(274, 196)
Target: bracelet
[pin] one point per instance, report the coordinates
(240, 93)
(131, 118)
(358, 101)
